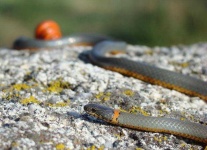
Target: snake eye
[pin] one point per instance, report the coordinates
(93, 110)
(48, 30)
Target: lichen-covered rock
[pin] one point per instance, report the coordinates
(43, 93)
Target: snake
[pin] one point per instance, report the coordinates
(48, 35)
(187, 129)
(171, 80)
(75, 39)
(148, 73)
(140, 70)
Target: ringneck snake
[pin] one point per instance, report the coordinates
(172, 80)
(187, 129)
(76, 39)
(168, 79)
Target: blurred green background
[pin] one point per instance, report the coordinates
(145, 22)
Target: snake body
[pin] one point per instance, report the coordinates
(76, 39)
(185, 129)
(172, 80)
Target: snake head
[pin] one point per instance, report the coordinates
(99, 111)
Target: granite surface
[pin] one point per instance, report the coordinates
(42, 94)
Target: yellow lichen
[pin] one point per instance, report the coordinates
(182, 118)
(139, 148)
(165, 138)
(60, 146)
(182, 145)
(123, 110)
(138, 109)
(128, 92)
(99, 95)
(184, 65)
(103, 96)
(14, 144)
(15, 88)
(30, 99)
(118, 136)
(101, 147)
(149, 52)
(13, 91)
(192, 117)
(180, 64)
(10, 95)
(59, 104)
(20, 87)
(57, 86)
(93, 147)
(160, 139)
(162, 112)
(185, 116)
(107, 96)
